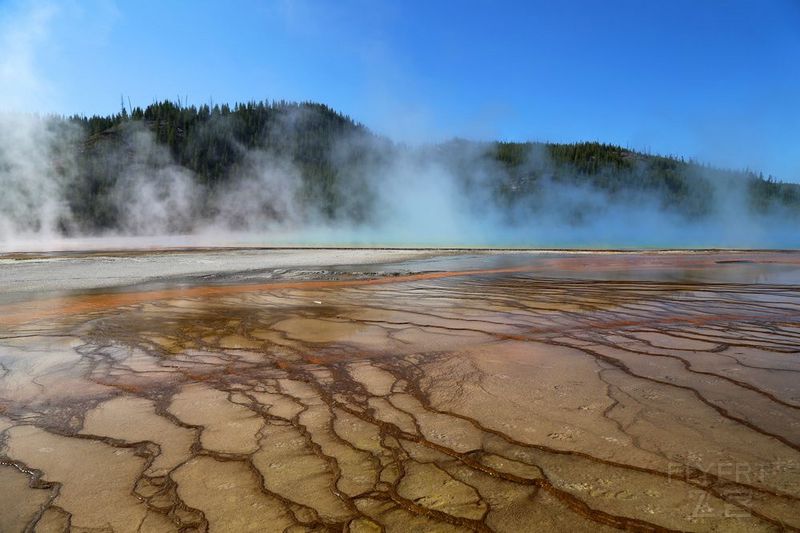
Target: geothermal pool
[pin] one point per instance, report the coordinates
(399, 390)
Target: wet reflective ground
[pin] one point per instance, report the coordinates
(513, 392)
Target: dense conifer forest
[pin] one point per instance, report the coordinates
(339, 163)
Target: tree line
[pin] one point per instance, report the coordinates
(340, 161)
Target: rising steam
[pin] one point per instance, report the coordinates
(427, 196)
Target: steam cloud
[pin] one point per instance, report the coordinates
(419, 197)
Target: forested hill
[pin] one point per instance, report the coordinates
(339, 164)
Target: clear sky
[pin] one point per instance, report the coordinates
(710, 79)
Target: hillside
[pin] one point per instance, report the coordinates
(336, 167)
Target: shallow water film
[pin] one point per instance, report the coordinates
(456, 392)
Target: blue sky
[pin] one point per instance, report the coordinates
(710, 79)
